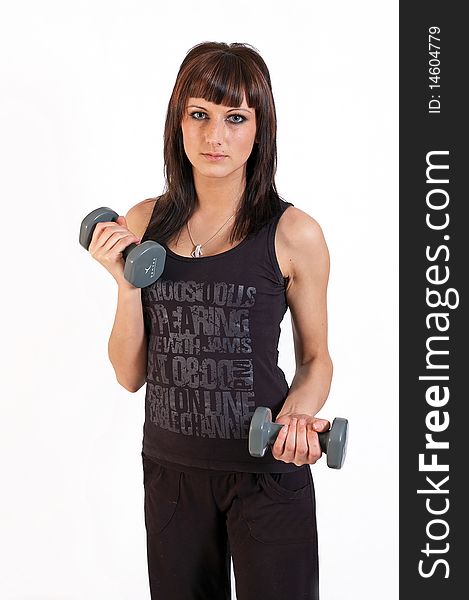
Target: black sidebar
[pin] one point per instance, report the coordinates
(433, 262)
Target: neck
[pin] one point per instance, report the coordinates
(218, 198)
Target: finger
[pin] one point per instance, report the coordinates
(322, 425)
(113, 249)
(302, 448)
(278, 447)
(109, 235)
(102, 232)
(315, 451)
(290, 442)
(119, 240)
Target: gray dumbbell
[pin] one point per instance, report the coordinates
(144, 263)
(263, 432)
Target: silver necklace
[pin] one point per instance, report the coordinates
(197, 251)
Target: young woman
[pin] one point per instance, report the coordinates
(204, 339)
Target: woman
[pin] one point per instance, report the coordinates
(204, 339)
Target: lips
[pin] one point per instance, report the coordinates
(214, 157)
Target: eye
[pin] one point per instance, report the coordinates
(198, 115)
(237, 119)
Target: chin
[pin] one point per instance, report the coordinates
(213, 170)
(214, 174)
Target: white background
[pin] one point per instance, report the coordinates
(84, 88)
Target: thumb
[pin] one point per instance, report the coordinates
(121, 220)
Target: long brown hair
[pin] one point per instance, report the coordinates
(220, 73)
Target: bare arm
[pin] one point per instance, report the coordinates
(298, 441)
(307, 300)
(127, 347)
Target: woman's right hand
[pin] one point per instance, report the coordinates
(109, 240)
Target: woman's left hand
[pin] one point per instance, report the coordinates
(297, 441)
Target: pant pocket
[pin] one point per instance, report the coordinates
(298, 481)
(275, 514)
(161, 487)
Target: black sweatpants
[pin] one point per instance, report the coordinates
(196, 520)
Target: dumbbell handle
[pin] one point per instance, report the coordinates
(274, 428)
(126, 251)
(263, 432)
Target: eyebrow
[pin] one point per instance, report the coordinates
(229, 110)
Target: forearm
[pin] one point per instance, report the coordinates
(310, 387)
(127, 347)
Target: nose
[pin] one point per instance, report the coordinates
(214, 132)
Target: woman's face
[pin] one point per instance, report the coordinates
(218, 139)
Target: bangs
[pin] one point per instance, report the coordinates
(222, 79)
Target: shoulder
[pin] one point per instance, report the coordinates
(139, 215)
(297, 226)
(301, 242)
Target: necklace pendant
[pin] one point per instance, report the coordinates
(197, 252)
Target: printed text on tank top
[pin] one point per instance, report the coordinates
(213, 328)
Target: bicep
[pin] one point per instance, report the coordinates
(307, 292)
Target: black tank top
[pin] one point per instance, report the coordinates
(213, 326)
